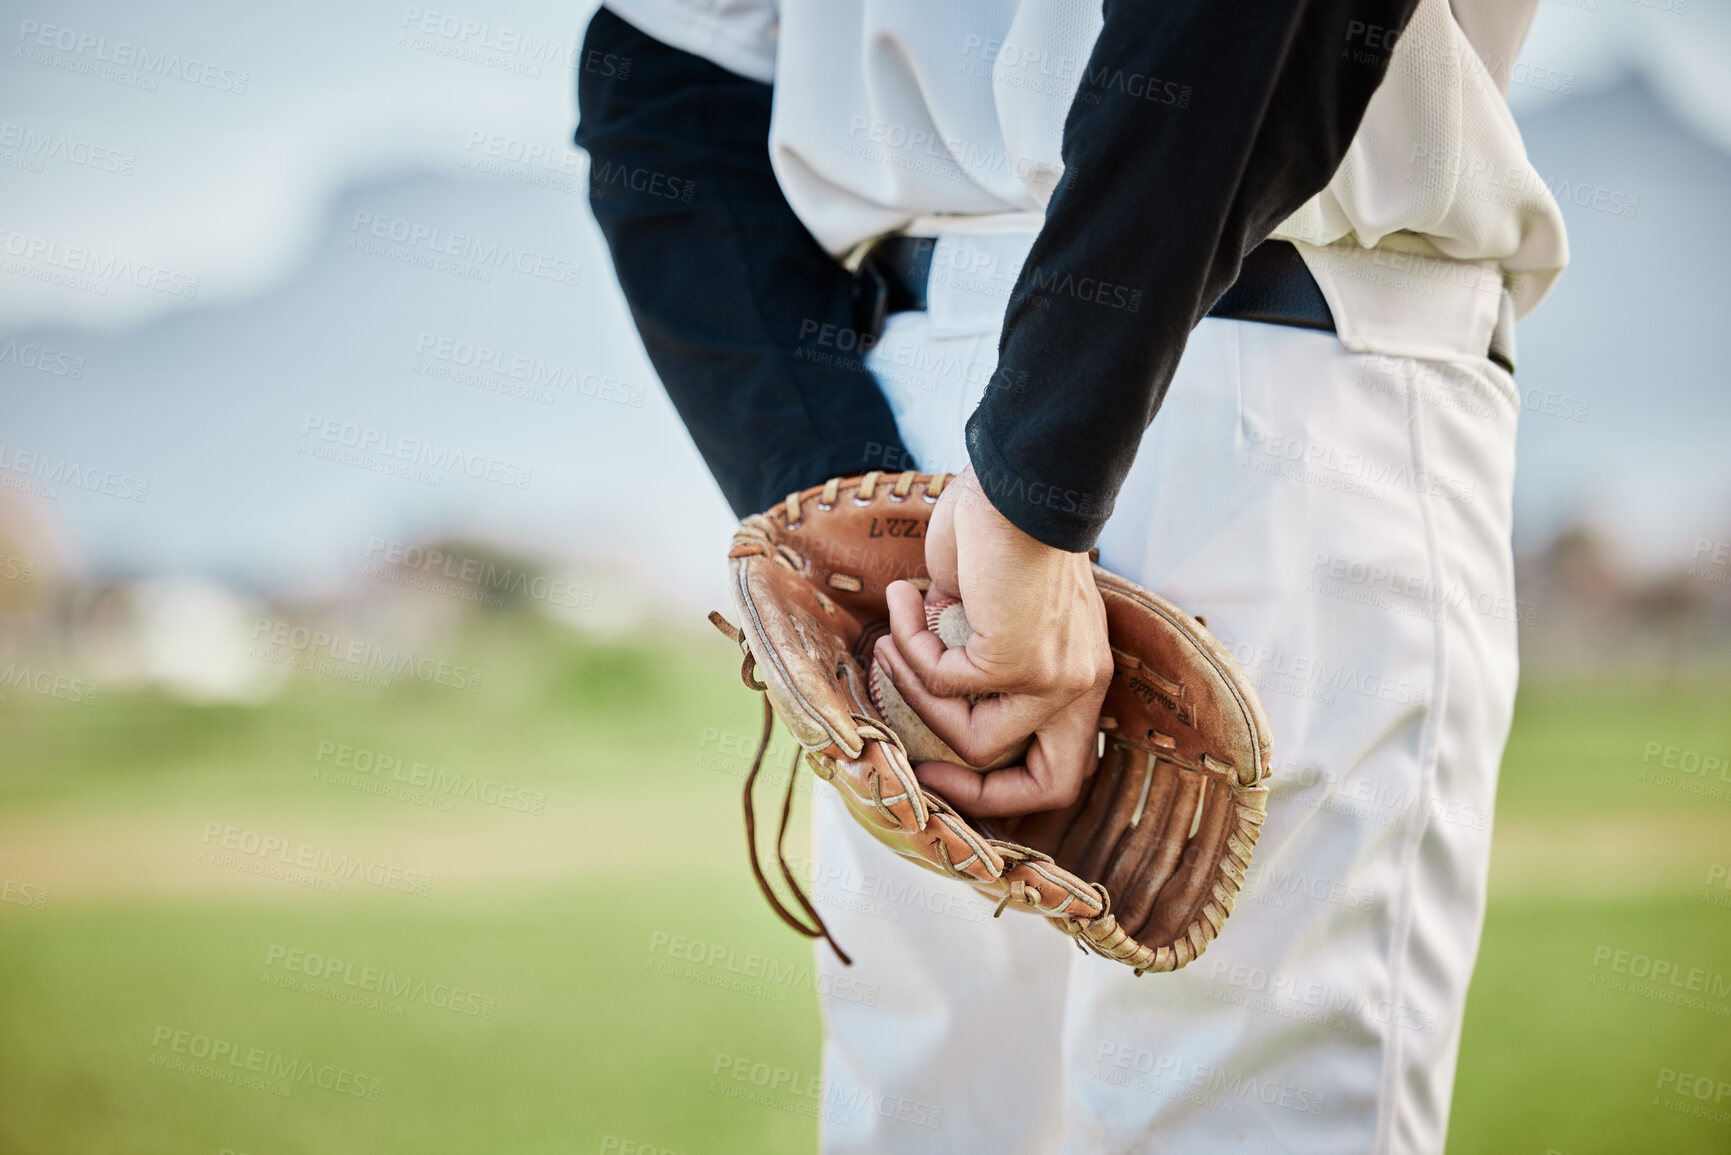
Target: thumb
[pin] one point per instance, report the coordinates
(942, 558)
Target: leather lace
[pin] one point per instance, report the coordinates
(817, 929)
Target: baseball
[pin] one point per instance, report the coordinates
(946, 619)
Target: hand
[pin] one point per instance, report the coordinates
(1039, 657)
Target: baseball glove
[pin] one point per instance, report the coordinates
(1142, 868)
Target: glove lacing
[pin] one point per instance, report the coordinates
(817, 929)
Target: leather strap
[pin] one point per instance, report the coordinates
(817, 929)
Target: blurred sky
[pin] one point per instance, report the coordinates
(256, 158)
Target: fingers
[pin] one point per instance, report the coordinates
(1060, 760)
(945, 672)
(978, 732)
(908, 623)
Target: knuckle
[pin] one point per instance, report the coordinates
(1074, 681)
(1046, 671)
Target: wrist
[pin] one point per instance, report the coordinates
(976, 506)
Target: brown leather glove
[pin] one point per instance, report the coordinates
(1142, 868)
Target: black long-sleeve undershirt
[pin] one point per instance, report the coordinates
(732, 296)
(1160, 201)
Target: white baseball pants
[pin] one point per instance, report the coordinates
(1342, 520)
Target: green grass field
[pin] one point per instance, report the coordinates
(128, 929)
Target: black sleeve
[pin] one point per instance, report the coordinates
(746, 318)
(1198, 127)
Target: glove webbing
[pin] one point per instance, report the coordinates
(818, 929)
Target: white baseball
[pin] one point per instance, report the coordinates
(945, 619)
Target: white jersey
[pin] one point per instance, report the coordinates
(896, 110)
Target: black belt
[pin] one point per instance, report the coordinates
(1274, 287)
